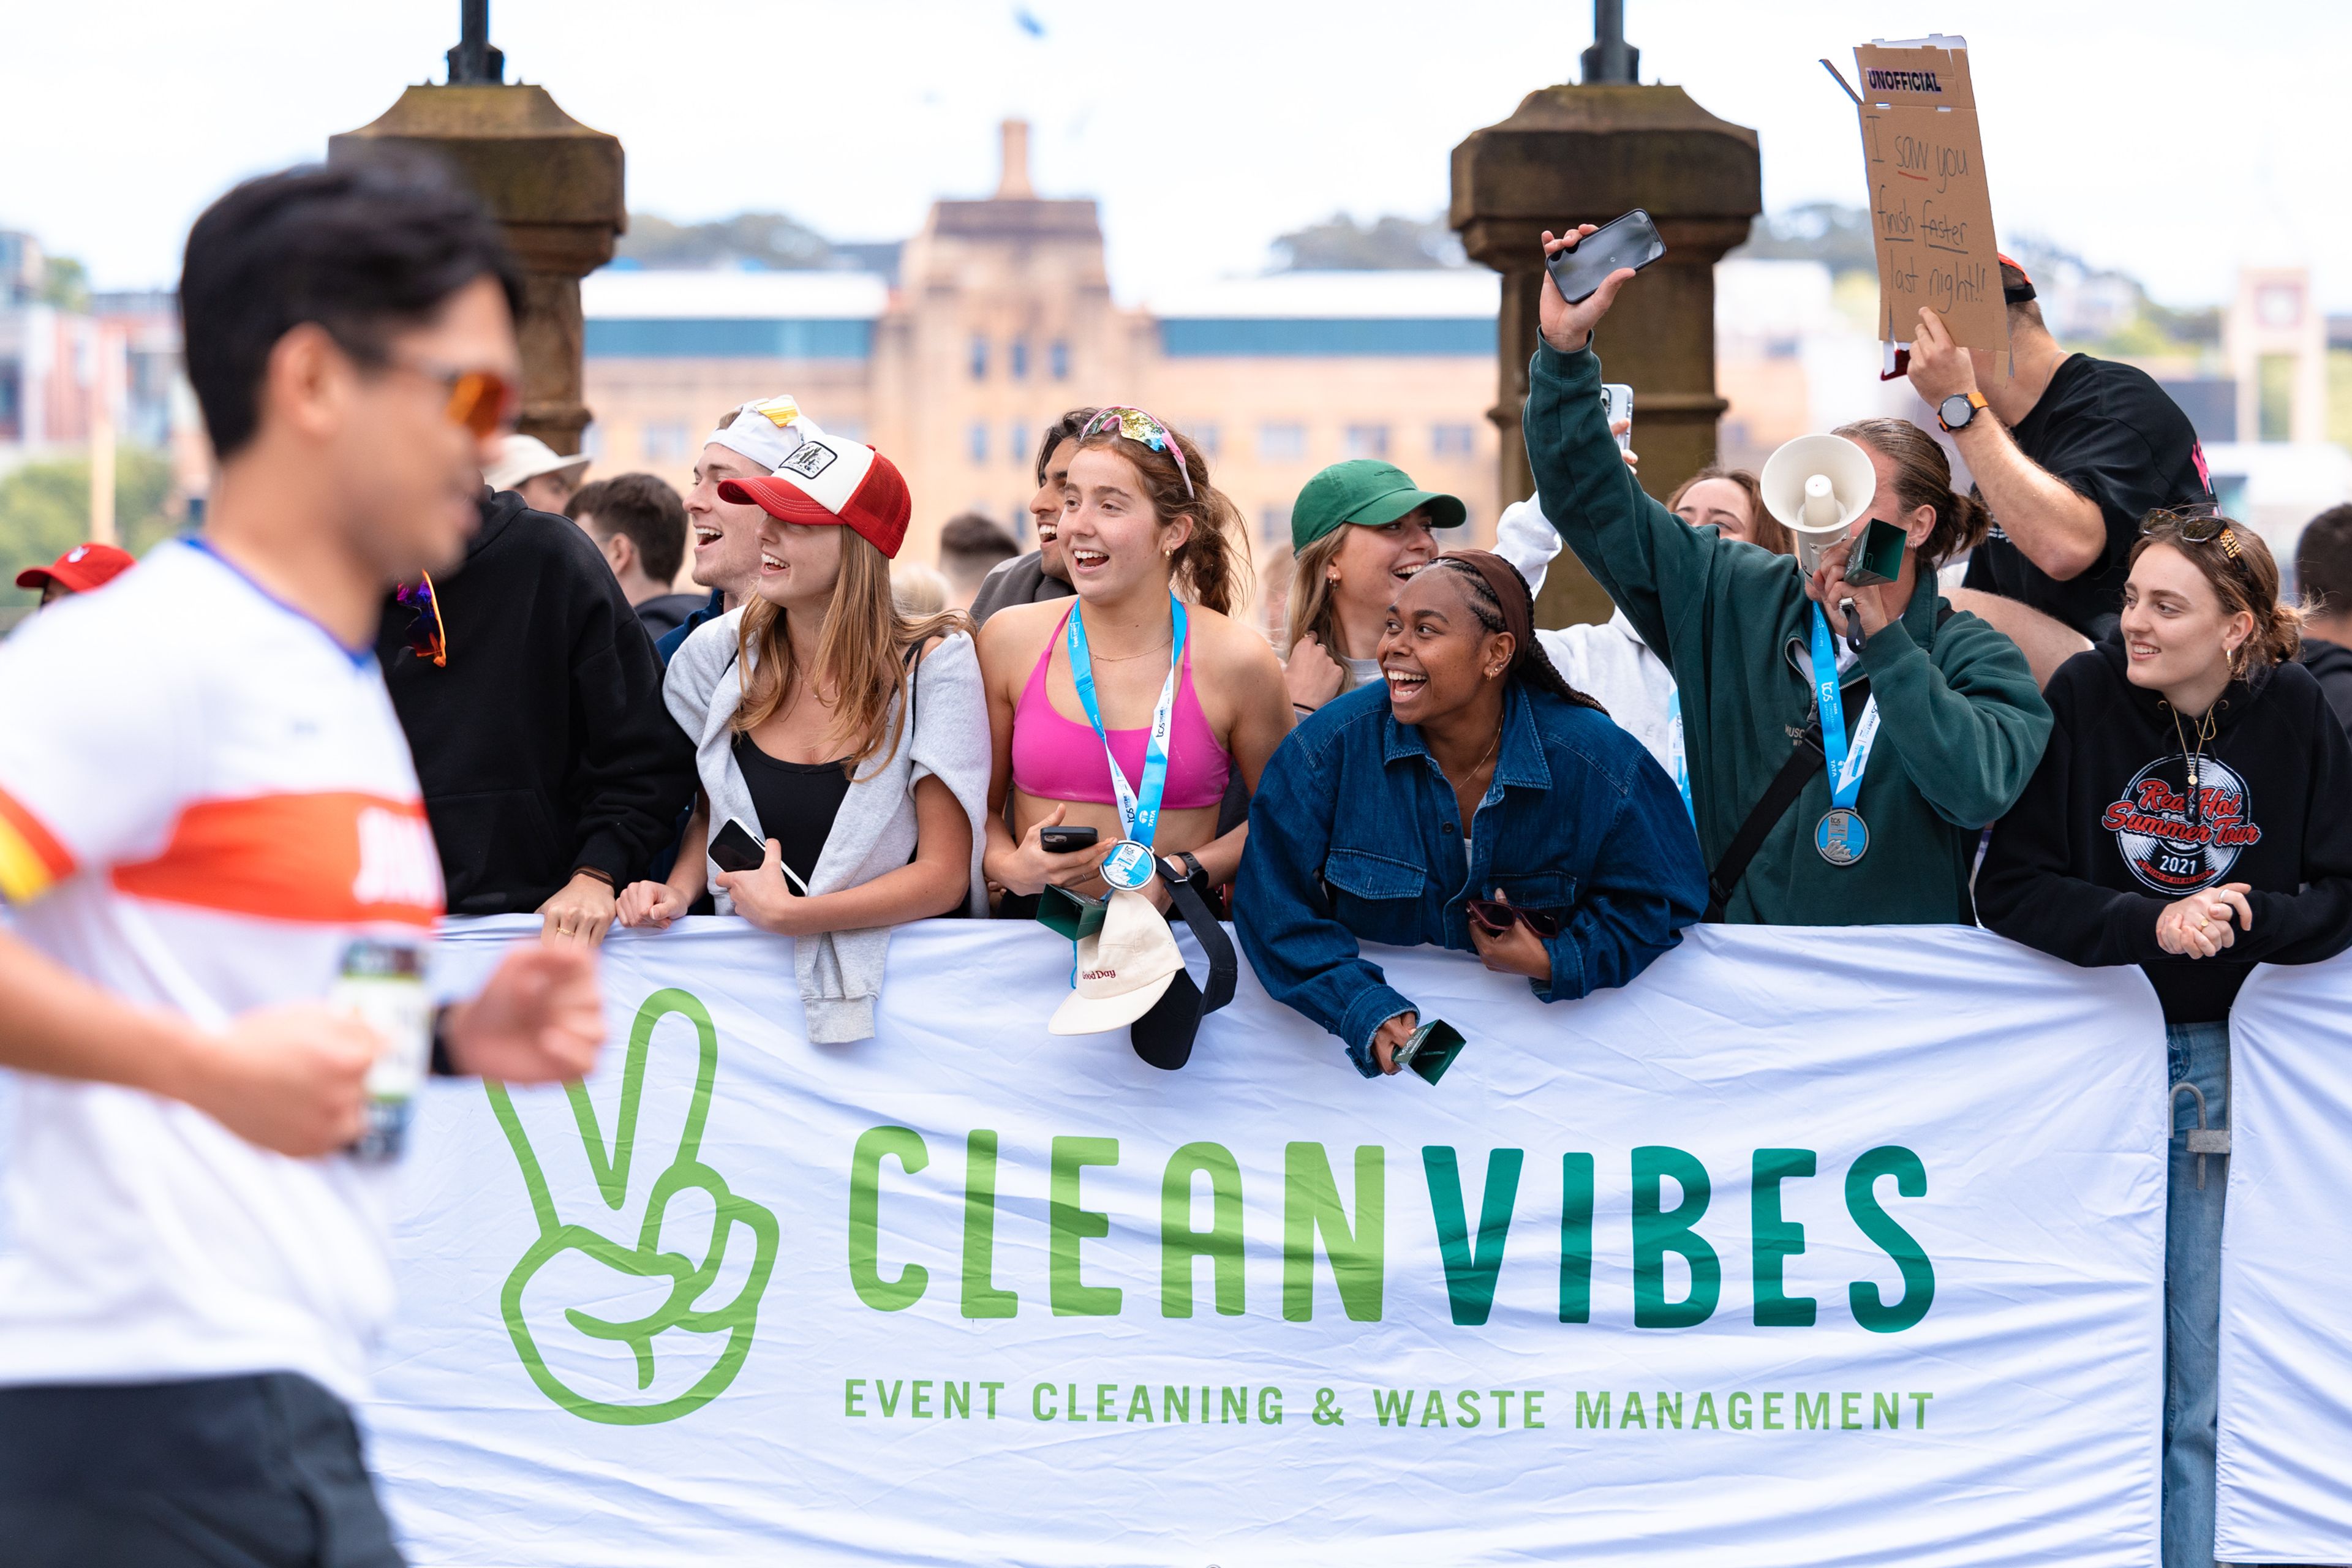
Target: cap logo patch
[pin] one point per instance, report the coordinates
(78, 551)
(779, 411)
(814, 458)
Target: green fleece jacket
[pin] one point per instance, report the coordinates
(1961, 723)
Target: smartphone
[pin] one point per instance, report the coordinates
(1431, 1050)
(736, 847)
(1067, 840)
(1878, 556)
(1616, 404)
(1074, 915)
(1630, 241)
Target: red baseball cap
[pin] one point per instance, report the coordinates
(81, 569)
(830, 480)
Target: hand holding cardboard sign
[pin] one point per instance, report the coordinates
(1939, 367)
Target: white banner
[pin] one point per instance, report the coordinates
(2284, 1455)
(1810, 1247)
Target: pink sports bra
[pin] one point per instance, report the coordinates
(1058, 758)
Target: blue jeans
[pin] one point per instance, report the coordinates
(2197, 1053)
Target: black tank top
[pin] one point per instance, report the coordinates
(796, 802)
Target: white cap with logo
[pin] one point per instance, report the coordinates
(767, 430)
(1123, 969)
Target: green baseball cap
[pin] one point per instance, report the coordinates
(1365, 490)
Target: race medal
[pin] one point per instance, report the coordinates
(1129, 866)
(1841, 836)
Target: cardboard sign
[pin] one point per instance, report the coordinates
(1930, 208)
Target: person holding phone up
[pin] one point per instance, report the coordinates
(851, 738)
(1871, 816)
(1470, 799)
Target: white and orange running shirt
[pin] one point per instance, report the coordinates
(204, 799)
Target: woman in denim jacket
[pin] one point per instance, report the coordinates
(1471, 772)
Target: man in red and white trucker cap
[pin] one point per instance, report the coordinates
(78, 571)
(832, 480)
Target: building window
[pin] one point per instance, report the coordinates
(663, 443)
(591, 442)
(1451, 440)
(1274, 523)
(1205, 437)
(1281, 443)
(1368, 440)
(978, 357)
(979, 442)
(1016, 359)
(1059, 355)
(1016, 443)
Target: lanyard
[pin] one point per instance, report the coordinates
(1141, 815)
(1845, 769)
(1676, 752)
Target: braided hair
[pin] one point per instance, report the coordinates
(1530, 662)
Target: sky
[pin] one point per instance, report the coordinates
(2151, 137)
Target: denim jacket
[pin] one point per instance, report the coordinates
(1354, 838)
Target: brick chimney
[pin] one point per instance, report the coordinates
(1015, 186)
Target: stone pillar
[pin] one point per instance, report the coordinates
(555, 186)
(1586, 155)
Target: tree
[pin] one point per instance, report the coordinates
(45, 509)
(1388, 244)
(759, 239)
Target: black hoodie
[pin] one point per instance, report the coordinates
(2101, 840)
(2331, 665)
(543, 746)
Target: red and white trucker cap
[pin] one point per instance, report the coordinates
(831, 479)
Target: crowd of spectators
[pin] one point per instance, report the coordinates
(2120, 742)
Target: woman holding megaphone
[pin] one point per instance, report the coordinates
(1863, 809)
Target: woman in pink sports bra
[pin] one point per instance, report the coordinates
(1132, 530)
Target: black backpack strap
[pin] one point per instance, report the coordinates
(1778, 796)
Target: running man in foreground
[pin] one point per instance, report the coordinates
(217, 862)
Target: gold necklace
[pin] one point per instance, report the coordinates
(2191, 760)
(1123, 658)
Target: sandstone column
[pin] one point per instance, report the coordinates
(1586, 155)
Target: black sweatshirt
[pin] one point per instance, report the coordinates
(543, 746)
(2102, 838)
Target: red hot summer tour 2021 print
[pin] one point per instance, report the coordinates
(2169, 847)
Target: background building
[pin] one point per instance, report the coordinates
(998, 315)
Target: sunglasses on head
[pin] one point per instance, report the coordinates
(1495, 916)
(1137, 425)
(427, 638)
(2193, 525)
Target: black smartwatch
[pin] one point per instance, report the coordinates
(1953, 413)
(1183, 867)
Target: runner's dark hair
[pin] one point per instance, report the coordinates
(363, 250)
(1530, 663)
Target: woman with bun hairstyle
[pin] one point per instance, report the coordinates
(847, 739)
(2190, 817)
(1472, 799)
(1126, 708)
(1941, 745)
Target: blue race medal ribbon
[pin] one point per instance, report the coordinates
(1128, 866)
(1840, 835)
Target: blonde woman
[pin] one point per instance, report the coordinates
(1359, 531)
(847, 741)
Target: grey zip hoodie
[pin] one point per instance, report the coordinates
(840, 973)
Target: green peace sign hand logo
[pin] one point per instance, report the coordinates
(627, 1295)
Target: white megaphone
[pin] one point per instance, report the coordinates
(1817, 486)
